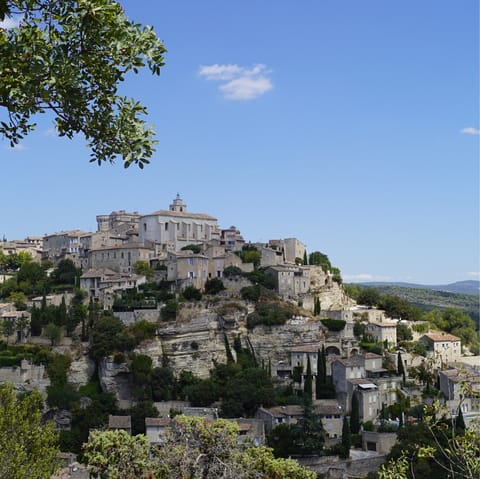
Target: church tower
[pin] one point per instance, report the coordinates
(178, 205)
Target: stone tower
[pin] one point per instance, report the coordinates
(178, 205)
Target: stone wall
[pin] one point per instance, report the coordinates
(26, 377)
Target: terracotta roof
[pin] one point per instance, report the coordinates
(181, 214)
(441, 337)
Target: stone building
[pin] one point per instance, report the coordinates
(175, 228)
(290, 281)
(383, 331)
(442, 348)
(63, 245)
(119, 258)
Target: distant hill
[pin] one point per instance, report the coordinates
(428, 297)
(465, 287)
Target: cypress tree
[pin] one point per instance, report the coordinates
(228, 351)
(307, 387)
(324, 367)
(354, 415)
(320, 375)
(305, 259)
(346, 440)
(460, 422)
(400, 367)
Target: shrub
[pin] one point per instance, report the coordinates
(195, 248)
(232, 272)
(250, 293)
(170, 310)
(192, 293)
(214, 286)
(143, 330)
(334, 324)
(269, 314)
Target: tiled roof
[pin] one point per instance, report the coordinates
(119, 422)
(182, 214)
(441, 337)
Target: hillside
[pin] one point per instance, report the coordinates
(429, 297)
(471, 287)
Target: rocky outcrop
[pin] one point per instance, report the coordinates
(114, 378)
(81, 370)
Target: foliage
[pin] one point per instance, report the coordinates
(250, 293)
(53, 333)
(250, 254)
(65, 273)
(139, 412)
(232, 272)
(355, 414)
(109, 335)
(170, 310)
(143, 268)
(334, 324)
(68, 58)
(404, 333)
(308, 384)
(195, 248)
(261, 277)
(28, 448)
(270, 314)
(143, 330)
(346, 439)
(455, 322)
(213, 286)
(190, 293)
(319, 259)
(117, 455)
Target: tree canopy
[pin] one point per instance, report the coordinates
(68, 58)
(28, 448)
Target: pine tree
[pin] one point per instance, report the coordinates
(307, 387)
(354, 415)
(346, 440)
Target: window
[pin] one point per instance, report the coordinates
(144, 226)
(166, 226)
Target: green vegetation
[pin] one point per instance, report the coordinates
(214, 286)
(195, 248)
(250, 254)
(28, 447)
(334, 324)
(270, 314)
(190, 293)
(68, 58)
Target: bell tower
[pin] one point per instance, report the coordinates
(178, 205)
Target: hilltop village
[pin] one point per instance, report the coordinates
(167, 313)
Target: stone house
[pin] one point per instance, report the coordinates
(331, 414)
(176, 227)
(187, 268)
(119, 258)
(119, 222)
(231, 239)
(103, 283)
(63, 245)
(290, 281)
(156, 429)
(383, 331)
(31, 244)
(374, 385)
(442, 348)
(452, 385)
(115, 423)
(251, 431)
(274, 416)
(381, 442)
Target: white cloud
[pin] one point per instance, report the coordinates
(470, 131)
(8, 23)
(239, 83)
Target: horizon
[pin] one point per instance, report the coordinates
(354, 129)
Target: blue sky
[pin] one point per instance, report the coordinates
(353, 126)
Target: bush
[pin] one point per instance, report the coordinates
(195, 248)
(334, 324)
(191, 293)
(170, 310)
(269, 314)
(214, 286)
(250, 293)
(143, 330)
(232, 272)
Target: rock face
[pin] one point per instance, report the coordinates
(81, 370)
(114, 378)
